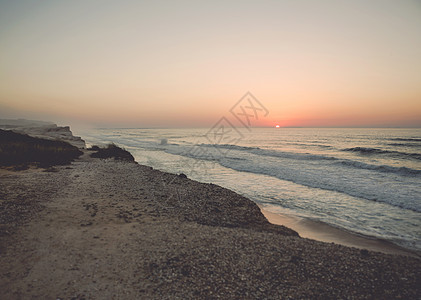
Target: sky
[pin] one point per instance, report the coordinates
(187, 63)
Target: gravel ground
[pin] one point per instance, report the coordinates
(105, 229)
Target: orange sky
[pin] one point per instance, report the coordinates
(186, 63)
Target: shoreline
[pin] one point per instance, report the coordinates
(105, 229)
(319, 231)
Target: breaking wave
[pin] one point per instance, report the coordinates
(373, 151)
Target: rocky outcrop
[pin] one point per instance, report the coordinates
(45, 130)
(112, 151)
(21, 151)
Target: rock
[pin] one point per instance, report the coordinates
(113, 151)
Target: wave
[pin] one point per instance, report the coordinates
(272, 153)
(213, 153)
(312, 144)
(406, 139)
(405, 145)
(230, 146)
(381, 168)
(350, 177)
(403, 171)
(369, 151)
(356, 183)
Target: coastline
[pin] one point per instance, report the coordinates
(323, 232)
(103, 228)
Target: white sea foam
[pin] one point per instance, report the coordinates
(362, 180)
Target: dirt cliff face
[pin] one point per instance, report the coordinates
(43, 130)
(55, 132)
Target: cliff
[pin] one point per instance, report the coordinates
(40, 129)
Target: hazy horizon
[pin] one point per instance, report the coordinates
(326, 64)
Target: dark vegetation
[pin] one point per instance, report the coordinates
(111, 151)
(20, 151)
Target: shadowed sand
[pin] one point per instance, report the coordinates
(106, 229)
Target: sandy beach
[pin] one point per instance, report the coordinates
(106, 229)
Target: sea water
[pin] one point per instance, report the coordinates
(367, 181)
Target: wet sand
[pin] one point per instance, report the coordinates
(325, 233)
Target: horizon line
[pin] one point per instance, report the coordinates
(304, 127)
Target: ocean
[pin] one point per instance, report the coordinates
(366, 181)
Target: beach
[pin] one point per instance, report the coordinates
(108, 229)
(210, 150)
(323, 232)
(355, 180)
